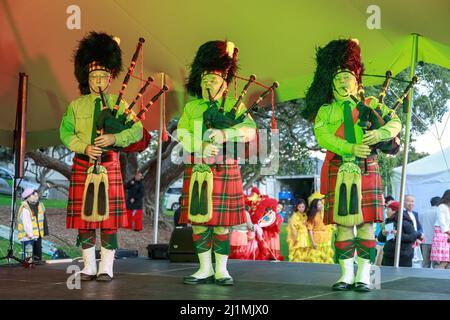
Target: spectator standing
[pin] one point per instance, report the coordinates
(31, 224)
(427, 219)
(414, 216)
(176, 216)
(378, 227)
(280, 211)
(297, 233)
(409, 237)
(135, 200)
(440, 251)
(319, 250)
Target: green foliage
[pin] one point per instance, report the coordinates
(431, 103)
(6, 154)
(295, 137)
(284, 248)
(431, 96)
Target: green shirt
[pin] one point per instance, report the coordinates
(331, 116)
(76, 127)
(190, 125)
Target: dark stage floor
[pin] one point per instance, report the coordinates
(141, 278)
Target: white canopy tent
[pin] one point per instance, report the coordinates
(425, 178)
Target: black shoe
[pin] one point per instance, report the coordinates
(361, 287)
(228, 281)
(87, 277)
(341, 286)
(104, 277)
(194, 280)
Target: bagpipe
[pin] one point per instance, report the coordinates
(372, 119)
(347, 209)
(215, 116)
(95, 206)
(110, 122)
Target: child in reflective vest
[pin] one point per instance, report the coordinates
(30, 225)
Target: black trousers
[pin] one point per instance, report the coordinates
(404, 261)
(37, 248)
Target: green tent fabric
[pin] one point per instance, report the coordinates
(396, 58)
(276, 41)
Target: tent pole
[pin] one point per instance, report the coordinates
(398, 238)
(158, 167)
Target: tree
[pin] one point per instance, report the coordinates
(54, 155)
(431, 95)
(296, 141)
(6, 154)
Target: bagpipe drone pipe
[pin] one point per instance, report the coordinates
(110, 122)
(215, 116)
(372, 119)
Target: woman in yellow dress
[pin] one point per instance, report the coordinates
(320, 249)
(297, 234)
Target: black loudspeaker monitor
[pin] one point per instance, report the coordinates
(181, 245)
(157, 251)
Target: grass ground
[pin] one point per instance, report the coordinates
(284, 249)
(6, 201)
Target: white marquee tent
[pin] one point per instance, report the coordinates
(425, 178)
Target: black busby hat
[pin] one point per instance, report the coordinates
(212, 56)
(336, 55)
(96, 51)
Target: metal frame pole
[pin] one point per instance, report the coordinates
(398, 238)
(158, 167)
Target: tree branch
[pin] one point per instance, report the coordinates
(44, 160)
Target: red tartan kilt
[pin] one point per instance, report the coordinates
(372, 191)
(227, 195)
(117, 209)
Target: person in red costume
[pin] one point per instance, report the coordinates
(267, 224)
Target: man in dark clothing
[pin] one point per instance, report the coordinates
(413, 215)
(135, 195)
(176, 216)
(408, 238)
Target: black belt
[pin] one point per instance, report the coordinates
(105, 157)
